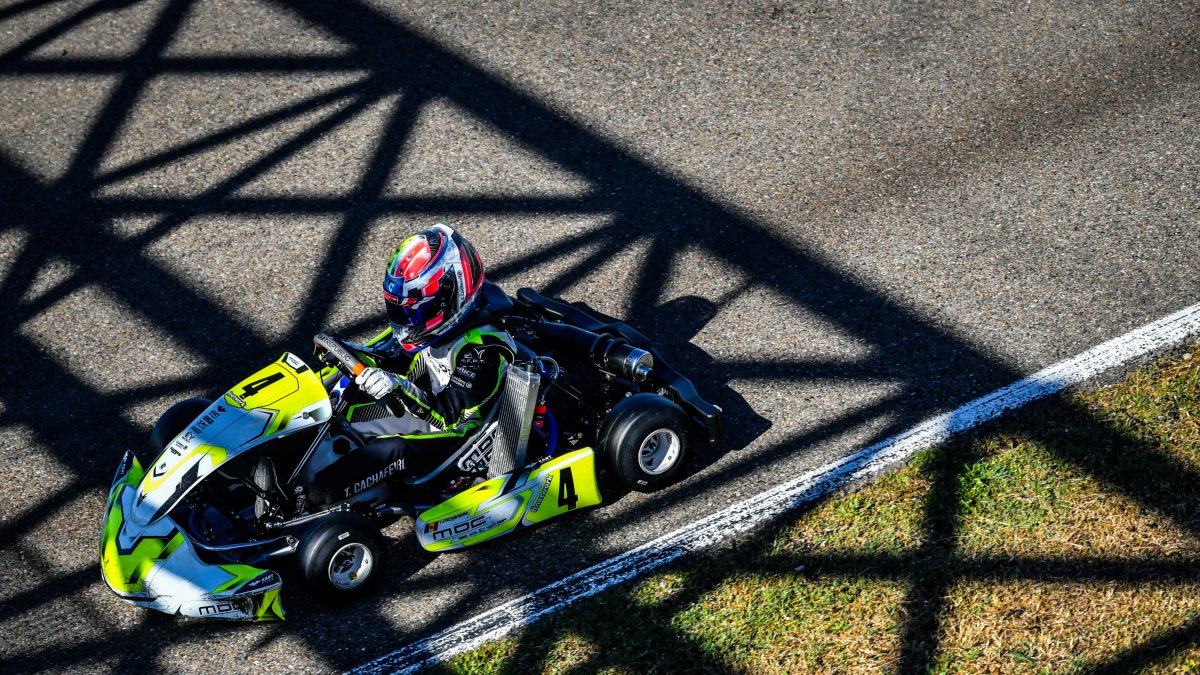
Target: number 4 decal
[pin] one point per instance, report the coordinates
(566, 489)
(256, 386)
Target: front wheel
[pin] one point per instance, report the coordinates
(645, 438)
(342, 558)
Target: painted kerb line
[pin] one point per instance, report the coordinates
(747, 514)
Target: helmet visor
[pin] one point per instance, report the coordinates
(413, 324)
(412, 312)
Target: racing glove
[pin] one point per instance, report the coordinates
(377, 382)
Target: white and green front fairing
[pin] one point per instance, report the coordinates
(486, 511)
(146, 558)
(282, 398)
(157, 567)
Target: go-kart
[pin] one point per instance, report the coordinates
(205, 528)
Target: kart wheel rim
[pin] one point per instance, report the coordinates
(659, 451)
(350, 566)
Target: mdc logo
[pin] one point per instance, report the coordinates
(219, 608)
(460, 528)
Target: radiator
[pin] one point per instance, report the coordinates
(516, 416)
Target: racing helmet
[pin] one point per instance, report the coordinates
(430, 286)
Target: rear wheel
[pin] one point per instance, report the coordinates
(645, 441)
(342, 558)
(174, 421)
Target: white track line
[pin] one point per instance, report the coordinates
(745, 515)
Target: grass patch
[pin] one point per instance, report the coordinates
(790, 624)
(1063, 539)
(1056, 626)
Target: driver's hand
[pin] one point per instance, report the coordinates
(377, 382)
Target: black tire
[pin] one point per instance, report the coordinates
(174, 421)
(265, 479)
(331, 544)
(639, 429)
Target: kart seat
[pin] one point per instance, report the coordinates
(494, 303)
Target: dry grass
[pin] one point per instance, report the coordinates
(792, 624)
(884, 517)
(1021, 626)
(1023, 501)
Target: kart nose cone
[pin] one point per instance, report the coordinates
(157, 567)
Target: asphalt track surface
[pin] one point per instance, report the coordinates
(841, 218)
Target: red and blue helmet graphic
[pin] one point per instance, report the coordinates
(430, 285)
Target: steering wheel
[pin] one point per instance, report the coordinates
(338, 354)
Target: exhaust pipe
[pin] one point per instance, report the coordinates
(612, 354)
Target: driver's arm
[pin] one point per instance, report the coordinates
(477, 378)
(379, 348)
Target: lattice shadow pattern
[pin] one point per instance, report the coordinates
(71, 223)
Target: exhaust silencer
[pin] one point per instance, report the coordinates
(612, 354)
(621, 358)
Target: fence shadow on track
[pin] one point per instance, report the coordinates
(65, 219)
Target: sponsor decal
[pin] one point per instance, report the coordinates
(542, 495)
(464, 529)
(462, 287)
(477, 458)
(295, 362)
(218, 608)
(261, 581)
(160, 470)
(234, 399)
(374, 478)
(125, 465)
(441, 368)
(339, 389)
(207, 419)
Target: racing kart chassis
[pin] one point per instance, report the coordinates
(203, 530)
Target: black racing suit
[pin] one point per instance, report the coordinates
(446, 390)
